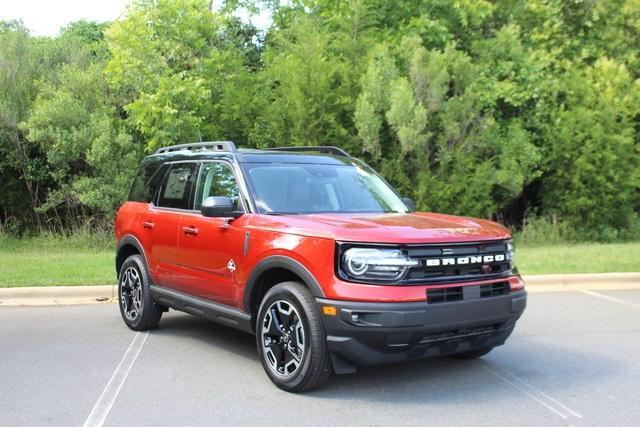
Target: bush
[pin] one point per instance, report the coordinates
(543, 230)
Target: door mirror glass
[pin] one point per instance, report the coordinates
(407, 201)
(218, 207)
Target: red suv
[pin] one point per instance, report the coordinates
(313, 252)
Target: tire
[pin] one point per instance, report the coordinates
(300, 362)
(133, 285)
(473, 354)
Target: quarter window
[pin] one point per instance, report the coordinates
(217, 179)
(176, 189)
(147, 182)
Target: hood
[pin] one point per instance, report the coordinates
(387, 228)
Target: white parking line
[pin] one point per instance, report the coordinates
(106, 400)
(538, 395)
(612, 299)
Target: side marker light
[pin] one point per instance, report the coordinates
(329, 310)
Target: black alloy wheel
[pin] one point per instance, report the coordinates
(137, 308)
(290, 338)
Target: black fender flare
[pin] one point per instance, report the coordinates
(129, 239)
(280, 261)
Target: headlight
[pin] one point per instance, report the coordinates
(376, 264)
(511, 254)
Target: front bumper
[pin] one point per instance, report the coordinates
(366, 334)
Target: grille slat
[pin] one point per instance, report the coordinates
(494, 290)
(439, 295)
(456, 293)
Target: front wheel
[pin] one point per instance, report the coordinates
(138, 310)
(291, 339)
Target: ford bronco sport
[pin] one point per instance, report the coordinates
(314, 253)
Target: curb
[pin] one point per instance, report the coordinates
(573, 279)
(582, 282)
(57, 295)
(106, 294)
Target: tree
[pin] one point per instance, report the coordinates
(461, 157)
(173, 65)
(494, 109)
(593, 171)
(24, 60)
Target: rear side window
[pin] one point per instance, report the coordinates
(176, 188)
(147, 182)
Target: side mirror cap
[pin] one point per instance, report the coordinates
(218, 207)
(407, 201)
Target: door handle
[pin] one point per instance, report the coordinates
(148, 225)
(190, 231)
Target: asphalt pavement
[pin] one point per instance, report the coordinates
(574, 359)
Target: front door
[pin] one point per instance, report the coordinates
(211, 249)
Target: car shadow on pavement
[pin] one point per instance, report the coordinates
(556, 368)
(222, 337)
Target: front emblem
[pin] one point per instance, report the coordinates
(231, 266)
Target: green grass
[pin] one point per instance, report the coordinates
(71, 268)
(76, 260)
(579, 258)
(51, 260)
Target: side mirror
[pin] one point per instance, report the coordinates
(218, 207)
(407, 201)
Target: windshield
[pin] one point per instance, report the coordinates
(315, 188)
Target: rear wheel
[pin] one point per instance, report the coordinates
(138, 310)
(473, 354)
(291, 340)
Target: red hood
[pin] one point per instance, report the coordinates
(387, 228)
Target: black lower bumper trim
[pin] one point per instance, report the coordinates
(376, 333)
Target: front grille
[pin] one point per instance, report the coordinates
(460, 293)
(439, 295)
(494, 290)
(434, 260)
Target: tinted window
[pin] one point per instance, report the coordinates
(147, 182)
(176, 189)
(217, 179)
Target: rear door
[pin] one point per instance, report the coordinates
(212, 248)
(161, 223)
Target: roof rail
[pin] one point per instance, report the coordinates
(324, 149)
(212, 146)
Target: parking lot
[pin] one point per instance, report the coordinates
(574, 359)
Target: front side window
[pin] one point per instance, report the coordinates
(217, 179)
(176, 188)
(318, 188)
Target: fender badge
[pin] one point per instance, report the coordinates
(231, 265)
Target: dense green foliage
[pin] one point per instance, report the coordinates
(520, 111)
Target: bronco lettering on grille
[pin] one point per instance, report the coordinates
(435, 262)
